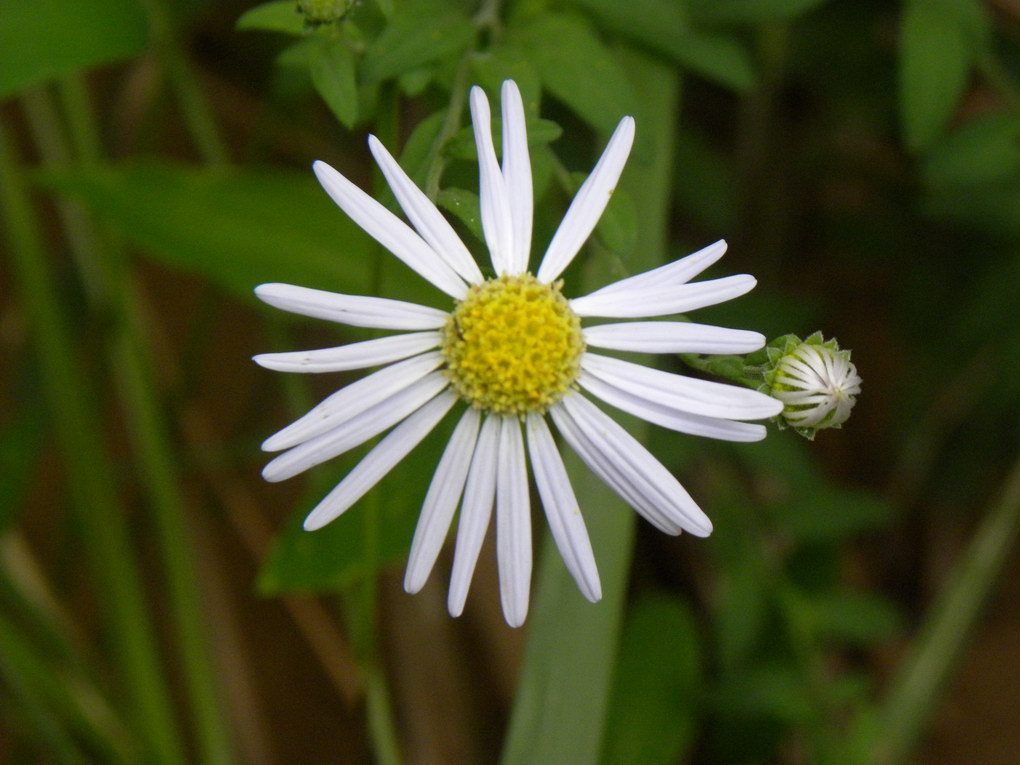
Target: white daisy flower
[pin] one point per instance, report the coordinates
(514, 351)
(818, 385)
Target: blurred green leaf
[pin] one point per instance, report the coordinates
(45, 39)
(617, 228)
(749, 11)
(465, 207)
(332, 70)
(655, 702)
(334, 556)
(506, 62)
(238, 228)
(741, 613)
(984, 151)
(852, 617)
(417, 151)
(769, 690)
(705, 184)
(20, 440)
(664, 26)
(940, 41)
(423, 32)
(281, 16)
(577, 68)
(831, 513)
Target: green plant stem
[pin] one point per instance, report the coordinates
(155, 454)
(90, 472)
(179, 72)
(924, 673)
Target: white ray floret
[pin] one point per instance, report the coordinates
(353, 310)
(479, 354)
(370, 353)
(391, 232)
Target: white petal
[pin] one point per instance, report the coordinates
(354, 431)
(565, 520)
(348, 402)
(658, 300)
(475, 512)
(424, 215)
(369, 353)
(517, 175)
(683, 422)
(497, 222)
(588, 204)
(391, 232)
(441, 501)
(380, 461)
(686, 394)
(513, 524)
(608, 469)
(355, 310)
(673, 337)
(676, 273)
(656, 484)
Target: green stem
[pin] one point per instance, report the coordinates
(179, 72)
(923, 675)
(155, 455)
(90, 471)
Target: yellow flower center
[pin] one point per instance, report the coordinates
(513, 345)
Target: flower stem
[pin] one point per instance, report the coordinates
(90, 472)
(936, 652)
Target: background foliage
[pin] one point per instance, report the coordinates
(159, 603)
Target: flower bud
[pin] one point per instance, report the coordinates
(815, 380)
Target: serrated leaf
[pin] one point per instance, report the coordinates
(655, 704)
(419, 35)
(332, 71)
(664, 26)
(281, 16)
(237, 228)
(46, 39)
(939, 43)
(577, 68)
(749, 11)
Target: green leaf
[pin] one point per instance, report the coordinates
(940, 42)
(335, 556)
(775, 691)
(332, 70)
(749, 11)
(852, 618)
(420, 34)
(237, 228)
(577, 68)
(417, 151)
(46, 39)
(506, 62)
(465, 207)
(540, 132)
(664, 26)
(982, 152)
(831, 514)
(655, 702)
(20, 439)
(280, 16)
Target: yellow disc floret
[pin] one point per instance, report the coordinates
(513, 345)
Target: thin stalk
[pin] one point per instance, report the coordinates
(90, 471)
(924, 673)
(154, 452)
(197, 115)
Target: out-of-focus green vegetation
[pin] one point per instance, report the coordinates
(861, 158)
